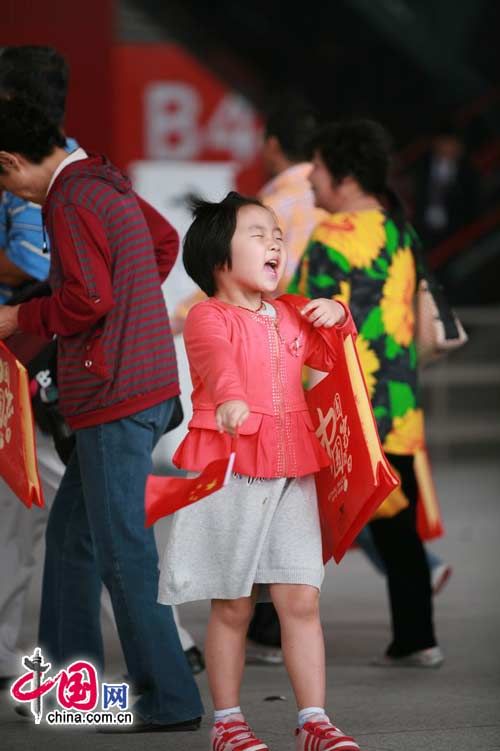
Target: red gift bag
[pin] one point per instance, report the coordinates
(359, 477)
(18, 464)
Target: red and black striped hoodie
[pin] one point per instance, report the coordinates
(110, 252)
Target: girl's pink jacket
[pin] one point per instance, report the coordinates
(236, 354)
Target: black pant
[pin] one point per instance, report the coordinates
(408, 577)
(265, 626)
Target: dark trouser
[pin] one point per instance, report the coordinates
(408, 577)
(96, 534)
(265, 626)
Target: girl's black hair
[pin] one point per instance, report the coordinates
(360, 149)
(207, 244)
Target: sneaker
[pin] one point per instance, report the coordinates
(439, 577)
(319, 734)
(235, 735)
(423, 658)
(260, 654)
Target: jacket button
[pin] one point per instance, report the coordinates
(97, 299)
(88, 363)
(87, 347)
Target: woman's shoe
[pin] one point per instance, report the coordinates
(432, 657)
(261, 654)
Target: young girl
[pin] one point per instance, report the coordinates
(260, 535)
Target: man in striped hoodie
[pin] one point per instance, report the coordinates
(117, 377)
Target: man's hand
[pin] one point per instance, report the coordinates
(323, 312)
(230, 415)
(8, 320)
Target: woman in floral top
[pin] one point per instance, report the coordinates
(362, 254)
(363, 259)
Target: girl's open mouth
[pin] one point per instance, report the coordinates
(272, 266)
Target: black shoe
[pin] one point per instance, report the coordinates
(141, 726)
(6, 681)
(195, 659)
(23, 710)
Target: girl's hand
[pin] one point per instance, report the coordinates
(323, 312)
(230, 415)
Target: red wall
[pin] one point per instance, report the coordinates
(84, 33)
(168, 105)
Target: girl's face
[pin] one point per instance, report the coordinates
(257, 252)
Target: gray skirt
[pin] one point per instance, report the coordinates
(250, 532)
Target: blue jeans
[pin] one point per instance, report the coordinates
(96, 534)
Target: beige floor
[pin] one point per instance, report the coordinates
(456, 708)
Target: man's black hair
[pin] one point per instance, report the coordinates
(357, 148)
(207, 244)
(25, 129)
(292, 122)
(37, 73)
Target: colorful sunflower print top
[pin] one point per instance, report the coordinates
(363, 259)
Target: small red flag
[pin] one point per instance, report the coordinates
(164, 495)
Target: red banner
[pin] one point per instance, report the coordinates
(429, 520)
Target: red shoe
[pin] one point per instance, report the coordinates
(320, 735)
(235, 735)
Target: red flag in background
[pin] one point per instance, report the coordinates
(164, 495)
(429, 520)
(18, 464)
(359, 477)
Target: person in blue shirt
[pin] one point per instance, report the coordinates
(22, 258)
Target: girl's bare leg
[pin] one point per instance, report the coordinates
(225, 649)
(302, 641)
